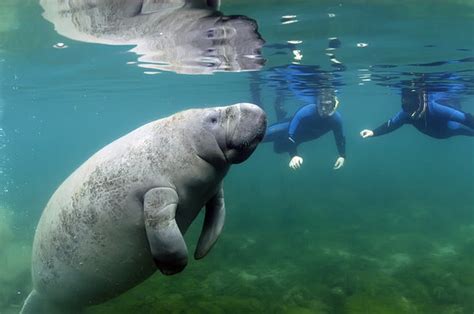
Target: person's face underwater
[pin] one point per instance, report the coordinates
(413, 104)
(327, 106)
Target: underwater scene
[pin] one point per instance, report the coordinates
(342, 142)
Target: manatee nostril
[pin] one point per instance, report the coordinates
(210, 33)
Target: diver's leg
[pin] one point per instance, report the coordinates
(276, 131)
(469, 120)
(456, 128)
(453, 115)
(278, 134)
(279, 103)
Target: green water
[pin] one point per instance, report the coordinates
(390, 232)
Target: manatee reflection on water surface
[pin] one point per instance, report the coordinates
(187, 37)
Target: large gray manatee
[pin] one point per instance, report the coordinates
(122, 214)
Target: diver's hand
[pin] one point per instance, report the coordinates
(366, 133)
(295, 162)
(339, 163)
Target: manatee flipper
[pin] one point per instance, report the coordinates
(36, 304)
(166, 241)
(213, 223)
(215, 4)
(212, 4)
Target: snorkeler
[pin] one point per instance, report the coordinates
(426, 114)
(309, 122)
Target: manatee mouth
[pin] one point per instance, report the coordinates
(245, 145)
(239, 153)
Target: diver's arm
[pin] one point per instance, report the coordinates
(294, 125)
(339, 136)
(391, 125)
(298, 117)
(295, 161)
(340, 142)
(292, 147)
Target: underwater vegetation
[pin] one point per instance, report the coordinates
(342, 254)
(15, 255)
(378, 263)
(8, 17)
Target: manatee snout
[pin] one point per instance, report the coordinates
(248, 130)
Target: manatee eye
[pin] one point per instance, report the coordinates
(213, 118)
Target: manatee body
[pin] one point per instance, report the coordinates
(122, 214)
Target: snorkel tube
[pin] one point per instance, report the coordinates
(414, 102)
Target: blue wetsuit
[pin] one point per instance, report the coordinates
(305, 125)
(438, 121)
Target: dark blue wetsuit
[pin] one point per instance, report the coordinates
(305, 125)
(438, 121)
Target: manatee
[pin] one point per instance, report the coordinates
(122, 214)
(184, 36)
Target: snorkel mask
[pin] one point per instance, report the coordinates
(414, 103)
(327, 105)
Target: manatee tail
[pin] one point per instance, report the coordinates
(36, 304)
